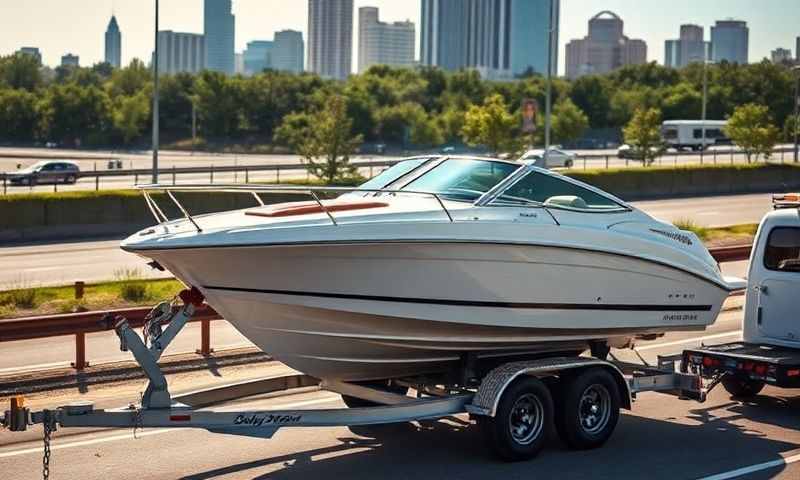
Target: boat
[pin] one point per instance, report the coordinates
(437, 259)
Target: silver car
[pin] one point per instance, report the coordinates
(47, 171)
(556, 158)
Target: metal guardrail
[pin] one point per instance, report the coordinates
(590, 160)
(79, 324)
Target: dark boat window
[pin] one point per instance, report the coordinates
(551, 191)
(462, 179)
(783, 249)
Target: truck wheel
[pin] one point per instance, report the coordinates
(742, 387)
(355, 402)
(521, 424)
(588, 409)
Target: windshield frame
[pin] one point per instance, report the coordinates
(493, 195)
(441, 160)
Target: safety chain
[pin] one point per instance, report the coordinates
(48, 426)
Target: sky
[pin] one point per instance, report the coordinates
(78, 26)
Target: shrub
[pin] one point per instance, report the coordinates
(692, 226)
(131, 285)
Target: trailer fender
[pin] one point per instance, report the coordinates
(495, 382)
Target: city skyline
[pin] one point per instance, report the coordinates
(70, 29)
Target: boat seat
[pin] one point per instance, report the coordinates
(566, 201)
(303, 208)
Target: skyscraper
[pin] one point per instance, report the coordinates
(181, 52)
(730, 41)
(258, 56)
(220, 34)
(33, 52)
(70, 60)
(605, 48)
(500, 38)
(113, 43)
(781, 55)
(287, 53)
(444, 33)
(330, 37)
(690, 47)
(383, 43)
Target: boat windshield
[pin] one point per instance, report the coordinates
(462, 179)
(392, 173)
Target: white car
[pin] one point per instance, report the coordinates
(555, 158)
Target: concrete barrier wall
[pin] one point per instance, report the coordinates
(70, 215)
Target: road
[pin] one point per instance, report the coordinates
(661, 438)
(90, 161)
(52, 264)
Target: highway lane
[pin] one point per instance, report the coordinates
(661, 438)
(98, 260)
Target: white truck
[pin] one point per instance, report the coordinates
(769, 352)
(688, 134)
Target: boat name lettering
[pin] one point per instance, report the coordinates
(680, 317)
(529, 215)
(678, 237)
(259, 420)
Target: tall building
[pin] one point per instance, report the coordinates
(500, 38)
(690, 47)
(605, 48)
(220, 34)
(381, 43)
(70, 60)
(330, 37)
(288, 50)
(444, 33)
(257, 56)
(181, 52)
(781, 55)
(33, 52)
(730, 41)
(113, 43)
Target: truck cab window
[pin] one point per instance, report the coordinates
(783, 249)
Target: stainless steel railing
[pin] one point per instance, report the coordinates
(256, 190)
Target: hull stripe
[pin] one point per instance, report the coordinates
(473, 303)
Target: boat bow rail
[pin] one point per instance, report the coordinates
(257, 190)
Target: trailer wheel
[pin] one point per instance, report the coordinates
(588, 409)
(521, 424)
(742, 387)
(355, 402)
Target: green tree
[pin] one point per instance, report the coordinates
(408, 122)
(131, 115)
(20, 71)
(219, 103)
(324, 139)
(130, 80)
(493, 126)
(76, 115)
(592, 94)
(751, 129)
(643, 134)
(569, 122)
(790, 127)
(18, 115)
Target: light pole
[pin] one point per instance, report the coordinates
(155, 103)
(796, 69)
(705, 100)
(548, 96)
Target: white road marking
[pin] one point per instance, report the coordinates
(690, 340)
(128, 436)
(754, 468)
(30, 368)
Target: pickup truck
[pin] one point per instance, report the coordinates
(769, 352)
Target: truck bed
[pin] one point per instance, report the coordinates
(779, 366)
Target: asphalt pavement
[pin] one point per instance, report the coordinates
(661, 438)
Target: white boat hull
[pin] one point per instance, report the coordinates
(360, 311)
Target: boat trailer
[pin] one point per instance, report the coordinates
(488, 399)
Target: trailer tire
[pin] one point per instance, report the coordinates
(742, 387)
(523, 420)
(588, 408)
(355, 402)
